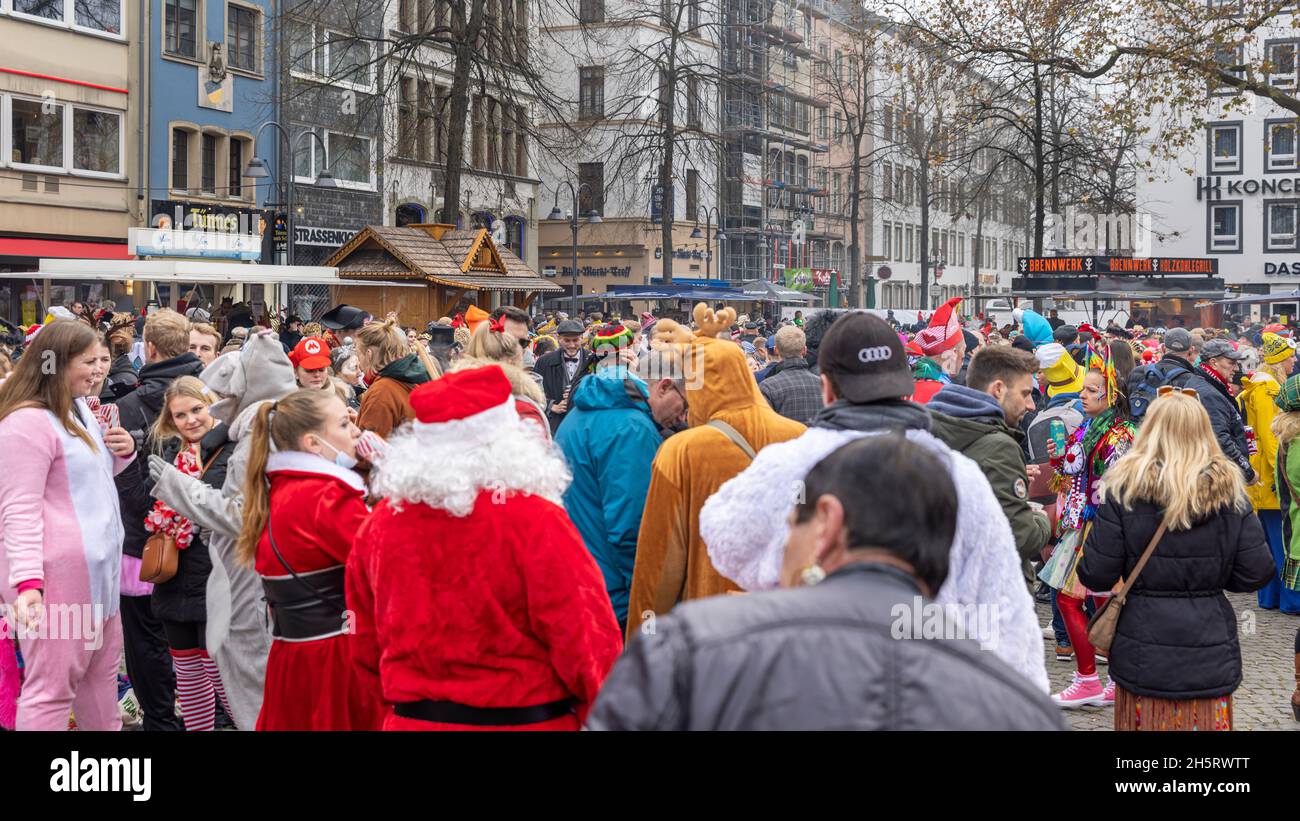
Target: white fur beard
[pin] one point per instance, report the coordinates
(448, 470)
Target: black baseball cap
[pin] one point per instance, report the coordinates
(864, 358)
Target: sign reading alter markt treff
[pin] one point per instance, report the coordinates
(1093, 266)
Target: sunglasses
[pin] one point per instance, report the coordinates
(1166, 390)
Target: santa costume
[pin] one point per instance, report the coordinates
(476, 605)
(311, 684)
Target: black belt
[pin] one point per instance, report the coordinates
(302, 612)
(449, 712)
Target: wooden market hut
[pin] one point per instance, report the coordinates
(456, 264)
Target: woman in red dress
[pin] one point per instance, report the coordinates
(302, 506)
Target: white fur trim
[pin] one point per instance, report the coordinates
(302, 462)
(484, 423)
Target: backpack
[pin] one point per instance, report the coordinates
(1146, 380)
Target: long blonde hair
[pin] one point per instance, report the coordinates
(1176, 464)
(284, 422)
(188, 386)
(39, 378)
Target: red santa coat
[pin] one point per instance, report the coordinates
(502, 608)
(315, 510)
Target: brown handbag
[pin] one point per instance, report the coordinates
(1101, 629)
(160, 557)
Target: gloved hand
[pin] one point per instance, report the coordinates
(157, 467)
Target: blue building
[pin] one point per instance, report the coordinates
(211, 86)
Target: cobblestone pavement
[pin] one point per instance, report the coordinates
(1262, 702)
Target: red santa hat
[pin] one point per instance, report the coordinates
(468, 398)
(944, 331)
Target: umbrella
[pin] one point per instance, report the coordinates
(761, 289)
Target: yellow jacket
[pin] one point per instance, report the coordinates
(1256, 403)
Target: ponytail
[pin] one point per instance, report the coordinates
(257, 496)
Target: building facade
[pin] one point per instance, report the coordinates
(615, 61)
(70, 113)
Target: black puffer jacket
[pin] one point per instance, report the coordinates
(1177, 636)
(121, 380)
(183, 598)
(139, 409)
(813, 658)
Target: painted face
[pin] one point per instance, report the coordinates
(83, 372)
(1093, 394)
(190, 416)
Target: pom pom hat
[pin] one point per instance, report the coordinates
(944, 330)
(1277, 349)
(614, 336)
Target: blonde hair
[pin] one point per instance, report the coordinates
(283, 423)
(168, 332)
(521, 384)
(188, 386)
(1176, 464)
(383, 344)
(207, 330)
(494, 346)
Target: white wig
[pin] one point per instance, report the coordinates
(446, 465)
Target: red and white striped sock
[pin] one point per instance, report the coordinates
(198, 701)
(214, 676)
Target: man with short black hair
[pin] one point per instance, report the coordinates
(981, 419)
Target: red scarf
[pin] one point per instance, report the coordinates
(1213, 374)
(162, 519)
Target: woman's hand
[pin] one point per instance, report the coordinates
(29, 608)
(1051, 449)
(120, 442)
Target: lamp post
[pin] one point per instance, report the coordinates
(719, 237)
(257, 170)
(593, 218)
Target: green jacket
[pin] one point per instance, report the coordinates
(995, 446)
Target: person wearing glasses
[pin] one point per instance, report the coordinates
(609, 440)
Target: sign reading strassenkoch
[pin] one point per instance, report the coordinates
(1087, 266)
(328, 237)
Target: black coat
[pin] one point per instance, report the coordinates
(139, 409)
(184, 597)
(1177, 636)
(813, 658)
(121, 380)
(555, 380)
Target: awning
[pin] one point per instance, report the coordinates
(761, 289)
(199, 272)
(1257, 299)
(66, 249)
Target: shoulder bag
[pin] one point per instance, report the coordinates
(1101, 628)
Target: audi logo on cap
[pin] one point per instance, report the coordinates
(312, 347)
(880, 353)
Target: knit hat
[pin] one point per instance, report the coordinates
(474, 315)
(1276, 349)
(612, 336)
(1064, 375)
(1038, 329)
(944, 331)
(1288, 399)
(470, 401)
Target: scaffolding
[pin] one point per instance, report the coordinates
(775, 58)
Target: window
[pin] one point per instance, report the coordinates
(887, 182)
(886, 237)
(1281, 59)
(1279, 146)
(888, 130)
(37, 133)
(591, 11)
(242, 27)
(316, 53)
(235, 183)
(1227, 57)
(693, 101)
(103, 16)
(823, 127)
(180, 27)
(913, 252)
(591, 92)
(97, 141)
(591, 198)
(351, 160)
(180, 160)
(1224, 228)
(692, 193)
(1280, 225)
(209, 164)
(406, 118)
(1225, 148)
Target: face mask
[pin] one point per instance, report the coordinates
(340, 458)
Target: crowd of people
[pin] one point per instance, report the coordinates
(508, 520)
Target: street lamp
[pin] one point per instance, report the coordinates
(593, 218)
(719, 237)
(258, 170)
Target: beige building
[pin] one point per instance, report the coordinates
(617, 251)
(68, 142)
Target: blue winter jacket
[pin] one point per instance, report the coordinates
(609, 441)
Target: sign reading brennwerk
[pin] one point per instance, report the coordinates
(1089, 266)
(1217, 188)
